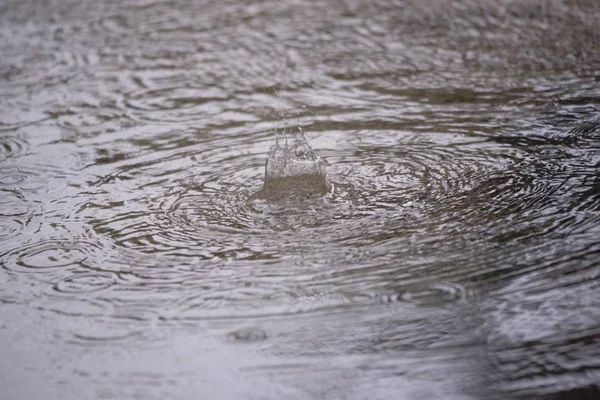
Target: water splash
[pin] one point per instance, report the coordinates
(293, 169)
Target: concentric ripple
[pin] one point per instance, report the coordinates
(176, 104)
(49, 255)
(85, 283)
(12, 147)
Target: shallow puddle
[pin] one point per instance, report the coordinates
(427, 228)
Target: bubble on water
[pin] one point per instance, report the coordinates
(293, 168)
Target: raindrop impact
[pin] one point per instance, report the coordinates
(293, 169)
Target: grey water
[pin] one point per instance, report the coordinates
(429, 230)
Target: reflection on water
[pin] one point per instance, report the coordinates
(451, 250)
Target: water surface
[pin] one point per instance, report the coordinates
(457, 256)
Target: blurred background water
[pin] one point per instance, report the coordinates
(457, 258)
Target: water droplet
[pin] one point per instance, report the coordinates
(293, 169)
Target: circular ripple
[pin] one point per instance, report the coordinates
(49, 255)
(10, 176)
(194, 203)
(9, 228)
(175, 104)
(206, 210)
(88, 121)
(14, 204)
(85, 283)
(22, 180)
(11, 146)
